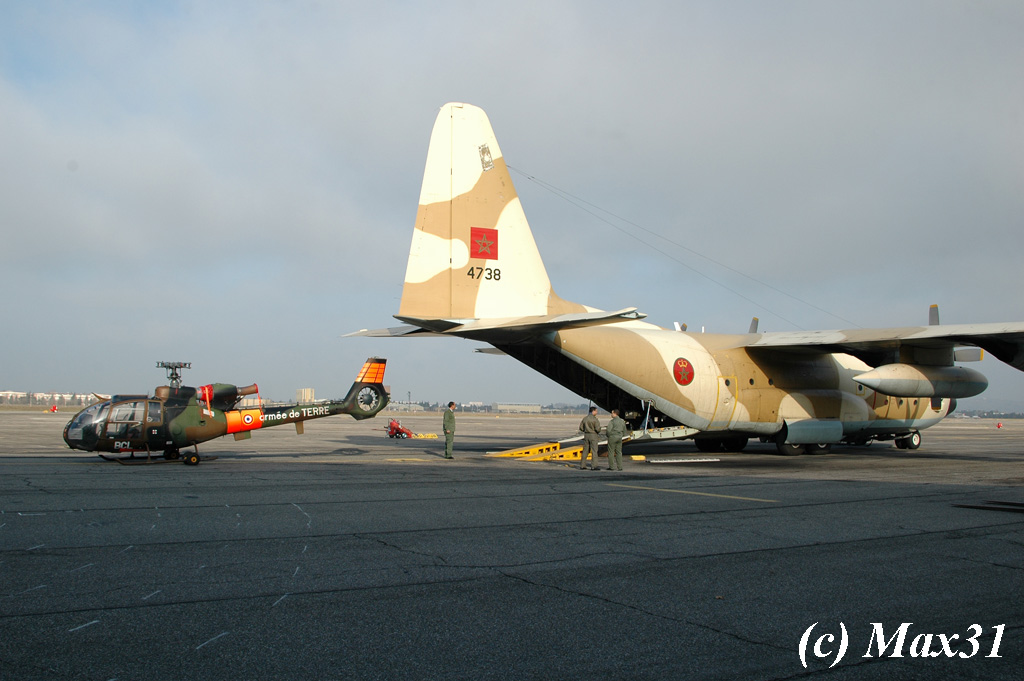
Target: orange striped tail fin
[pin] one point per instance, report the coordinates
(372, 371)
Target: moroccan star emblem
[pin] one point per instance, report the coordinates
(483, 245)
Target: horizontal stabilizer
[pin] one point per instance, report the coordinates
(393, 332)
(518, 328)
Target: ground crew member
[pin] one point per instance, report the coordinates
(591, 429)
(449, 430)
(615, 431)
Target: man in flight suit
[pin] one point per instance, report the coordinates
(591, 429)
(615, 431)
(449, 430)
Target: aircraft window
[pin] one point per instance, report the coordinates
(94, 414)
(153, 415)
(127, 411)
(125, 419)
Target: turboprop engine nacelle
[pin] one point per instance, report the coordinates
(915, 380)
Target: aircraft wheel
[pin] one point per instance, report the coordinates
(736, 443)
(912, 441)
(819, 449)
(172, 454)
(192, 459)
(789, 450)
(708, 444)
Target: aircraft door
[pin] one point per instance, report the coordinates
(155, 424)
(726, 405)
(154, 413)
(125, 424)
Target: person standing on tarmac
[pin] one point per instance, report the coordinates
(616, 431)
(591, 429)
(449, 430)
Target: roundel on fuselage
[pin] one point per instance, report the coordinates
(683, 371)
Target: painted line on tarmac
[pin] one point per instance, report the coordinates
(87, 624)
(223, 633)
(701, 494)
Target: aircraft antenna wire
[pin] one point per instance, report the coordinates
(583, 205)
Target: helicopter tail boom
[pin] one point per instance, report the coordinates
(364, 400)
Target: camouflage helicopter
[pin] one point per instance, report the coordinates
(179, 416)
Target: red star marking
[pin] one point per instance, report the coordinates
(683, 371)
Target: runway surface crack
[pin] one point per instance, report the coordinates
(644, 611)
(396, 547)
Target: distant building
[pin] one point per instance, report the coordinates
(405, 406)
(514, 408)
(305, 395)
(12, 397)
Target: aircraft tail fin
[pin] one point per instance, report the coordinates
(372, 371)
(473, 255)
(367, 396)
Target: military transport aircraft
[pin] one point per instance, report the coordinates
(474, 271)
(177, 417)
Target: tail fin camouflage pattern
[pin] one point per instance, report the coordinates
(473, 255)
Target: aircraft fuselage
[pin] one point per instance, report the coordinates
(712, 383)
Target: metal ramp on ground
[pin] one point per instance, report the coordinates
(567, 449)
(543, 451)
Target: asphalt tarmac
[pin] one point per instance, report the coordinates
(342, 554)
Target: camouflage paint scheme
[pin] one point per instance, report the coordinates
(177, 416)
(474, 271)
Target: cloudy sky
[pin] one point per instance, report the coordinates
(235, 183)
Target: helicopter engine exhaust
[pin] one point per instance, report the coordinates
(224, 394)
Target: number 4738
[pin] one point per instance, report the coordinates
(484, 273)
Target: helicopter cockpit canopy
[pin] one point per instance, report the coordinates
(121, 417)
(88, 418)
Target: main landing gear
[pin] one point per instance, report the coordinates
(189, 459)
(786, 449)
(170, 454)
(912, 441)
(909, 441)
(795, 450)
(729, 443)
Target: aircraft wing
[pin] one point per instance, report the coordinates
(1005, 341)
